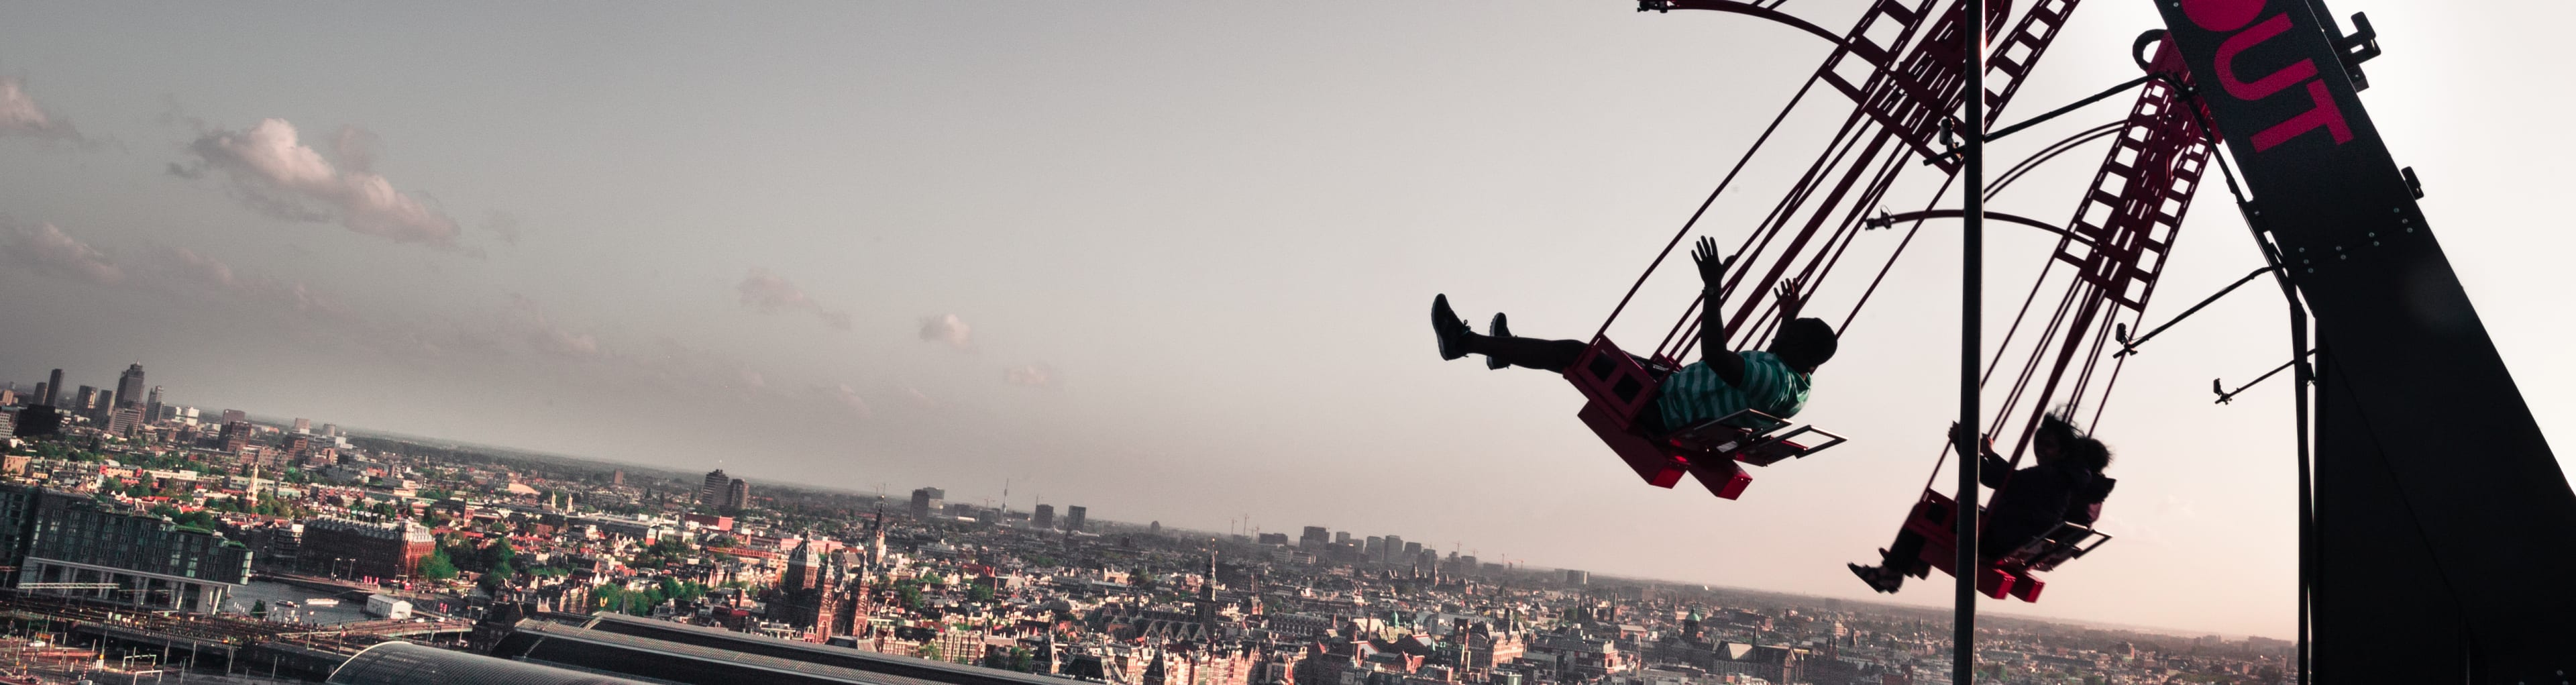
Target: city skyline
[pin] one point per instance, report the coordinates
(1039, 510)
(1060, 247)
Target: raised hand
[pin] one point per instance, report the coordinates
(1791, 299)
(1712, 265)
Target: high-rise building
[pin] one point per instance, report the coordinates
(88, 400)
(44, 395)
(129, 387)
(738, 494)
(1373, 549)
(303, 425)
(1341, 536)
(232, 416)
(1075, 517)
(1574, 577)
(123, 420)
(1412, 549)
(1043, 517)
(237, 435)
(152, 405)
(54, 396)
(1314, 538)
(926, 500)
(711, 492)
(1394, 550)
(617, 477)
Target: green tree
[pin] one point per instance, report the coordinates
(929, 650)
(259, 609)
(979, 594)
(437, 567)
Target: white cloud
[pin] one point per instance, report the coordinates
(48, 249)
(768, 293)
(947, 328)
(850, 399)
(277, 174)
(21, 116)
(1033, 375)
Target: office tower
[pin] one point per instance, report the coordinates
(738, 494)
(1574, 577)
(55, 396)
(233, 416)
(152, 405)
(303, 425)
(129, 387)
(44, 394)
(617, 478)
(237, 435)
(1394, 550)
(122, 421)
(1074, 517)
(87, 399)
(1043, 517)
(1373, 549)
(711, 492)
(926, 500)
(1341, 536)
(330, 430)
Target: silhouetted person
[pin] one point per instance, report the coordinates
(2065, 485)
(1773, 380)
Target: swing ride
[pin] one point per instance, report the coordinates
(2397, 345)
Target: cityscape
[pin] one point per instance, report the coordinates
(939, 343)
(266, 536)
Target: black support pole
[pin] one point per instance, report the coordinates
(1963, 657)
(2304, 380)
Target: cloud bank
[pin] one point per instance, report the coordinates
(275, 173)
(770, 294)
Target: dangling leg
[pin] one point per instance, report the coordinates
(1893, 563)
(1458, 340)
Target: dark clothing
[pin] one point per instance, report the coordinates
(2029, 502)
(2037, 499)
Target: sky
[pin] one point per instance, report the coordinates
(1166, 260)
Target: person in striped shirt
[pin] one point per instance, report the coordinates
(1773, 380)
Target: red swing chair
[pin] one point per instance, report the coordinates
(1621, 388)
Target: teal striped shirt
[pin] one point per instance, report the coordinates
(1697, 393)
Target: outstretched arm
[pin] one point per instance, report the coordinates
(1712, 322)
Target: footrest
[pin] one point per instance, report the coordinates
(1658, 467)
(2027, 587)
(1994, 582)
(1723, 477)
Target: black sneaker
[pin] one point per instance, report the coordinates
(1451, 330)
(1499, 329)
(1877, 578)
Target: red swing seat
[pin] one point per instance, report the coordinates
(1622, 388)
(1932, 518)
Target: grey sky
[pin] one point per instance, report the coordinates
(1168, 260)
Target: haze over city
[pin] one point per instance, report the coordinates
(1166, 260)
